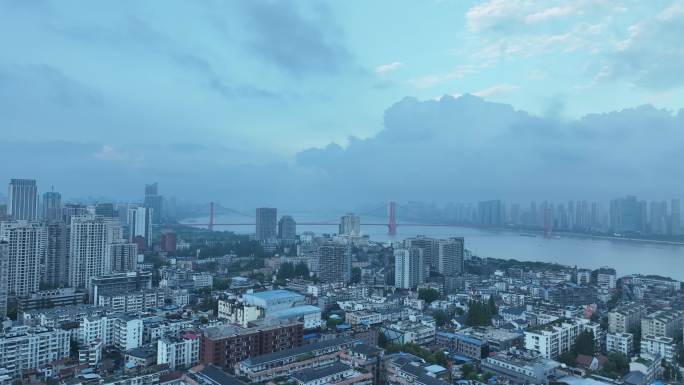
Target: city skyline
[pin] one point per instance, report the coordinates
(572, 98)
(320, 192)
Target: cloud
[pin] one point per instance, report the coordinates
(466, 148)
(453, 149)
(652, 56)
(495, 90)
(432, 80)
(387, 68)
(550, 13)
(300, 41)
(505, 16)
(108, 153)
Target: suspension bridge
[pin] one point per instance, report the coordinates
(390, 209)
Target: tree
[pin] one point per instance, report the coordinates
(441, 317)
(355, 275)
(479, 314)
(333, 322)
(568, 358)
(301, 270)
(467, 369)
(491, 303)
(428, 295)
(616, 366)
(286, 271)
(440, 358)
(584, 344)
(220, 284)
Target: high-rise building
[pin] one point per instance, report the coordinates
(4, 277)
(516, 217)
(131, 281)
(491, 213)
(88, 250)
(106, 210)
(266, 218)
(350, 224)
(56, 254)
(658, 218)
(450, 256)
(22, 199)
(140, 224)
(52, 206)
(154, 201)
(430, 251)
(71, 210)
(26, 247)
(122, 257)
(675, 217)
(334, 262)
(409, 271)
(287, 229)
(168, 241)
(627, 214)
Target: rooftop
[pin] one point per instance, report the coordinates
(274, 294)
(309, 375)
(265, 358)
(295, 311)
(366, 350)
(214, 375)
(224, 331)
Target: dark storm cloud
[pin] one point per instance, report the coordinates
(454, 149)
(468, 148)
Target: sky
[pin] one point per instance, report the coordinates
(303, 103)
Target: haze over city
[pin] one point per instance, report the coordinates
(350, 192)
(305, 104)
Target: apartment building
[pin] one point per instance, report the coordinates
(663, 323)
(179, 352)
(625, 318)
(620, 343)
(285, 362)
(554, 339)
(227, 345)
(25, 347)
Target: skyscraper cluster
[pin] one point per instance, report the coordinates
(625, 215)
(631, 215)
(421, 257)
(350, 224)
(55, 244)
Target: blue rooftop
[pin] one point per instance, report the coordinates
(470, 340)
(274, 294)
(295, 311)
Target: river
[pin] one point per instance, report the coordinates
(625, 256)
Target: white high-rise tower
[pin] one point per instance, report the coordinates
(88, 249)
(26, 248)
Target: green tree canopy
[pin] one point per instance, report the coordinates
(479, 314)
(428, 295)
(584, 344)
